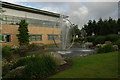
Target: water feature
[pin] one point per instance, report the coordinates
(66, 29)
(67, 40)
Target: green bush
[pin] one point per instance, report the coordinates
(6, 66)
(36, 53)
(106, 48)
(33, 47)
(6, 52)
(24, 49)
(5, 69)
(40, 67)
(20, 62)
(49, 45)
(99, 40)
(16, 50)
(117, 43)
(112, 37)
(77, 40)
(36, 66)
(90, 38)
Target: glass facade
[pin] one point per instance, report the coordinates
(13, 20)
(4, 38)
(35, 38)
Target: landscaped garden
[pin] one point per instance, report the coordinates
(30, 61)
(41, 61)
(35, 61)
(42, 64)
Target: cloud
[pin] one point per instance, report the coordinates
(92, 10)
(79, 12)
(102, 9)
(83, 10)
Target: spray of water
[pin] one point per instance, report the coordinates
(66, 36)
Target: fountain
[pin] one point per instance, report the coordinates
(67, 40)
(66, 29)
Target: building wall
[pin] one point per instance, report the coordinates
(44, 31)
(28, 14)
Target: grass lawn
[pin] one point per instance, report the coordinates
(93, 66)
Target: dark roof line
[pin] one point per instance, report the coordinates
(28, 9)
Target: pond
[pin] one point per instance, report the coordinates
(74, 52)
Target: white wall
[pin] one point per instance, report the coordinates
(18, 13)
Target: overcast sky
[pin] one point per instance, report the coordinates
(79, 12)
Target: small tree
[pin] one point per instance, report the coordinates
(23, 35)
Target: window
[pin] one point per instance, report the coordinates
(35, 37)
(4, 38)
(53, 37)
(14, 20)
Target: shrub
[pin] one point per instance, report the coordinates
(33, 47)
(22, 50)
(99, 40)
(6, 66)
(117, 43)
(40, 67)
(49, 46)
(20, 62)
(106, 48)
(112, 37)
(5, 69)
(15, 73)
(16, 50)
(6, 52)
(36, 66)
(77, 40)
(36, 53)
(90, 38)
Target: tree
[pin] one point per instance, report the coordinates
(105, 28)
(23, 35)
(83, 32)
(75, 30)
(102, 27)
(118, 25)
(94, 27)
(89, 28)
